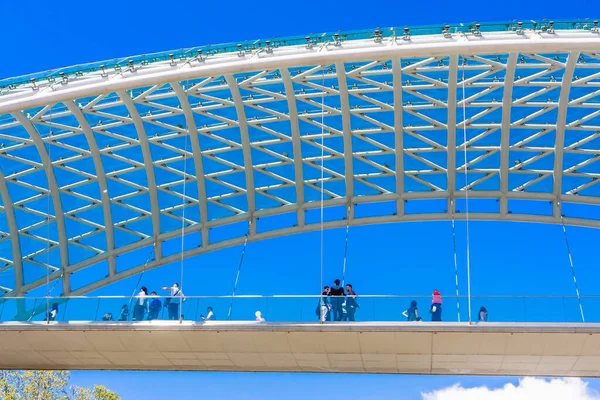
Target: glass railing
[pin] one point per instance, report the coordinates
(295, 309)
(184, 55)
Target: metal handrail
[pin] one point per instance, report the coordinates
(300, 296)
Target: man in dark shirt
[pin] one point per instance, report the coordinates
(337, 298)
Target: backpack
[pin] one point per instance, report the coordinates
(168, 299)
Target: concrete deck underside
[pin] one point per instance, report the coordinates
(424, 348)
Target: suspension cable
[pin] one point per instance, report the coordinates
(346, 249)
(183, 205)
(562, 221)
(48, 225)
(464, 61)
(142, 274)
(322, 179)
(237, 277)
(455, 260)
(62, 273)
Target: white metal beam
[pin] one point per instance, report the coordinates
(260, 65)
(198, 163)
(496, 195)
(296, 142)
(104, 195)
(398, 134)
(451, 127)
(55, 195)
(346, 125)
(246, 149)
(148, 166)
(294, 56)
(331, 225)
(509, 78)
(15, 243)
(561, 118)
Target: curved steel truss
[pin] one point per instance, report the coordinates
(93, 166)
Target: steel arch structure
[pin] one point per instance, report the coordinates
(103, 161)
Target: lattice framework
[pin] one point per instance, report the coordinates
(92, 169)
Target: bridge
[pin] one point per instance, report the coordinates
(428, 348)
(522, 342)
(152, 159)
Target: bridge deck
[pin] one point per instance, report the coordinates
(417, 348)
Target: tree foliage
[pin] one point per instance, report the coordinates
(47, 385)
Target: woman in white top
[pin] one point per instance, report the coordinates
(210, 315)
(259, 317)
(53, 312)
(140, 305)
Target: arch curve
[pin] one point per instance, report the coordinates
(392, 122)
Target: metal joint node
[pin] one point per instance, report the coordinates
(337, 42)
(520, 28)
(309, 44)
(378, 38)
(268, 47)
(446, 32)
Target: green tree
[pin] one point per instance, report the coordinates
(47, 385)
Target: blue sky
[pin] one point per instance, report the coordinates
(410, 259)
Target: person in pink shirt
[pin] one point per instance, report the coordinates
(436, 306)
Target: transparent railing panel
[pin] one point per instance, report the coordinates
(296, 309)
(187, 54)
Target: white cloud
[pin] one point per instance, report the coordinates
(526, 389)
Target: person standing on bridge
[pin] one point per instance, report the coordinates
(210, 315)
(483, 314)
(154, 307)
(337, 292)
(324, 308)
(53, 312)
(436, 306)
(172, 303)
(412, 313)
(350, 304)
(141, 305)
(124, 314)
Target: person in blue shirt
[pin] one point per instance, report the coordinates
(124, 314)
(172, 303)
(412, 313)
(154, 307)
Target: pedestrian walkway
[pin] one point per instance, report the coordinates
(350, 347)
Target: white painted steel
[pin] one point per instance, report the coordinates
(236, 346)
(257, 115)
